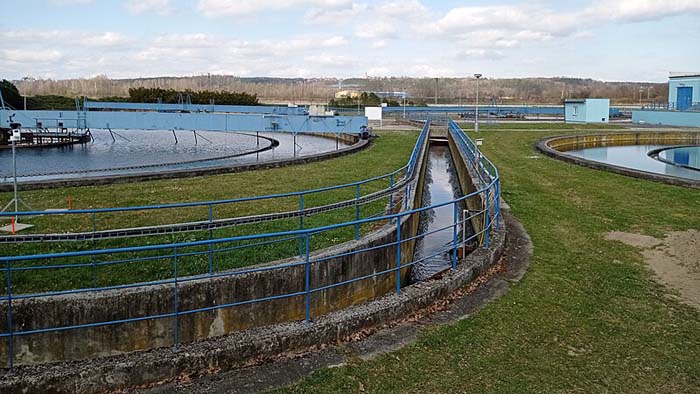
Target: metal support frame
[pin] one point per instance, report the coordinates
(455, 231)
(307, 281)
(301, 222)
(15, 196)
(398, 255)
(357, 211)
(176, 321)
(211, 237)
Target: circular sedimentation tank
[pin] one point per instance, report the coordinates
(669, 157)
(115, 153)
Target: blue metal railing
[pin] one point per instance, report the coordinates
(393, 177)
(672, 106)
(173, 253)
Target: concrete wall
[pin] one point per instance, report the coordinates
(115, 339)
(669, 118)
(188, 121)
(467, 182)
(583, 141)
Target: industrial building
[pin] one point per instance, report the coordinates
(683, 107)
(684, 91)
(587, 111)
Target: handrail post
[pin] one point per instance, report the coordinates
(497, 202)
(391, 196)
(11, 340)
(357, 211)
(455, 231)
(407, 195)
(175, 304)
(301, 223)
(307, 282)
(211, 239)
(398, 255)
(94, 257)
(487, 224)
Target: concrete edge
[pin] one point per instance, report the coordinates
(155, 175)
(543, 146)
(250, 346)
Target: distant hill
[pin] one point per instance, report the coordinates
(422, 90)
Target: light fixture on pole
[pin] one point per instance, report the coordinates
(15, 136)
(476, 119)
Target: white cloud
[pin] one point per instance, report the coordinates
(69, 2)
(378, 44)
(331, 60)
(30, 56)
(219, 8)
(106, 39)
(335, 15)
(374, 30)
(641, 10)
(140, 6)
(429, 70)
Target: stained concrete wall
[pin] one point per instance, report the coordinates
(94, 307)
(575, 142)
(468, 182)
(557, 147)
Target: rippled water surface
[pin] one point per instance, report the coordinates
(441, 186)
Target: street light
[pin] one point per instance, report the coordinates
(476, 121)
(15, 137)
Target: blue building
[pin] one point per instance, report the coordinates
(587, 111)
(684, 91)
(683, 108)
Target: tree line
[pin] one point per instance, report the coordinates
(322, 90)
(15, 99)
(172, 96)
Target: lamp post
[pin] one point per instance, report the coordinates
(476, 119)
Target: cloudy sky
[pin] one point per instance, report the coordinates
(640, 40)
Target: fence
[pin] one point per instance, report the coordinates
(173, 255)
(689, 107)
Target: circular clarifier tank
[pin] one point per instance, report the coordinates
(134, 152)
(682, 156)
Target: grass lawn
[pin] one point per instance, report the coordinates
(389, 152)
(587, 318)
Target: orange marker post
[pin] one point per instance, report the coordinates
(13, 225)
(70, 203)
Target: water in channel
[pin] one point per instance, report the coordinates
(441, 185)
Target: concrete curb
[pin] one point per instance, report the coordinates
(544, 146)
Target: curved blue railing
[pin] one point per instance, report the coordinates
(394, 178)
(488, 193)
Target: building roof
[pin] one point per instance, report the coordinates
(684, 75)
(579, 101)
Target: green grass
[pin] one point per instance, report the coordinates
(587, 318)
(389, 152)
(539, 126)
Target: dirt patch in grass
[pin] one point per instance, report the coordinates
(675, 260)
